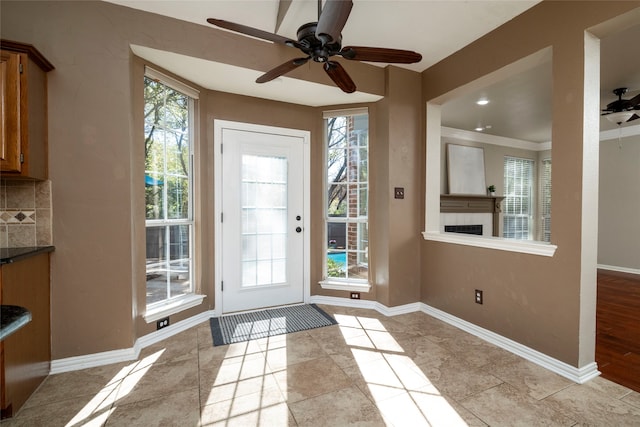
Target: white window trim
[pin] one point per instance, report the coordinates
(531, 247)
(336, 283)
(175, 305)
(171, 82)
(347, 285)
(346, 112)
(172, 306)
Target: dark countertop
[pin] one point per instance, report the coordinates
(8, 255)
(12, 318)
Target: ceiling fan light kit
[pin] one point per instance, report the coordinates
(622, 110)
(619, 116)
(321, 40)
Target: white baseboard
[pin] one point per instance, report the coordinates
(578, 375)
(171, 330)
(619, 269)
(77, 363)
(342, 302)
(372, 305)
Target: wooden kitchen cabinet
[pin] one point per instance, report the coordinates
(23, 90)
(25, 355)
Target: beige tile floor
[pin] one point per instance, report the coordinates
(369, 370)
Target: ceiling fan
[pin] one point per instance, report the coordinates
(321, 40)
(622, 110)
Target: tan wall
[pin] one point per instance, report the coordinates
(95, 105)
(97, 276)
(544, 303)
(404, 160)
(619, 225)
(396, 161)
(89, 138)
(98, 288)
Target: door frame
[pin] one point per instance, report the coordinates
(218, 127)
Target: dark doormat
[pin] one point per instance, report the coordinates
(267, 323)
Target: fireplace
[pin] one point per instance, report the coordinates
(470, 214)
(475, 229)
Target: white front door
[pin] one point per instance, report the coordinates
(262, 219)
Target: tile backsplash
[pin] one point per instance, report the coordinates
(25, 213)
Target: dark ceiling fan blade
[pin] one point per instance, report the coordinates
(250, 31)
(339, 76)
(380, 54)
(635, 101)
(635, 116)
(281, 69)
(332, 20)
(283, 8)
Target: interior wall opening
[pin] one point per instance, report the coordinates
(507, 115)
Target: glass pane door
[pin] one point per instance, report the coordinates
(264, 220)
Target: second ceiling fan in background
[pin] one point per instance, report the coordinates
(321, 40)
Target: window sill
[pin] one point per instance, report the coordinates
(525, 247)
(172, 307)
(338, 285)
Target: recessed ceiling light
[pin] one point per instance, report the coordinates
(479, 129)
(487, 127)
(482, 101)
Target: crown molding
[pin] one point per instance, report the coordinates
(621, 132)
(466, 135)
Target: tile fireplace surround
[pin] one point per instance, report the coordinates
(461, 208)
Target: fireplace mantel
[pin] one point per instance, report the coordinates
(471, 203)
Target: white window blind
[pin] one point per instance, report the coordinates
(546, 201)
(517, 206)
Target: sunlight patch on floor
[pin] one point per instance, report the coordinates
(401, 391)
(98, 410)
(244, 391)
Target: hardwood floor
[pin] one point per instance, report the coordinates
(618, 328)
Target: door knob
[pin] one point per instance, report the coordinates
(298, 229)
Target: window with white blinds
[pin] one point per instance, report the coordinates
(545, 204)
(518, 202)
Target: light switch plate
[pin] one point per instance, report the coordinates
(398, 192)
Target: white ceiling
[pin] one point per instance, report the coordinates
(435, 29)
(242, 80)
(519, 108)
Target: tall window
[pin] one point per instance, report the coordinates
(518, 202)
(347, 203)
(546, 201)
(168, 138)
